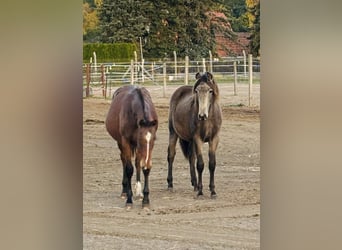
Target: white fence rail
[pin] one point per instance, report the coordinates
(108, 75)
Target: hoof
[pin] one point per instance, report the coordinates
(170, 189)
(139, 197)
(213, 195)
(129, 206)
(199, 197)
(195, 189)
(200, 193)
(145, 202)
(123, 195)
(146, 206)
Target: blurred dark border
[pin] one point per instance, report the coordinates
(301, 123)
(41, 125)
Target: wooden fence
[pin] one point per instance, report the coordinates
(163, 73)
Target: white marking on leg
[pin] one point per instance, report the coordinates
(138, 191)
(148, 138)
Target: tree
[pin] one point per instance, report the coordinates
(254, 14)
(181, 26)
(90, 19)
(122, 21)
(236, 12)
(158, 40)
(164, 26)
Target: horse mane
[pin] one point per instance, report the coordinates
(146, 121)
(208, 78)
(142, 100)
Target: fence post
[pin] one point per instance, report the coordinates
(250, 75)
(152, 70)
(135, 66)
(103, 80)
(244, 62)
(110, 88)
(164, 74)
(106, 82)
(203, 61)
(175, 56)
(186, 70)
(132, 72)
(88, 78)
(210, 62)
(95, 63)
(235, 78)
(142, 70)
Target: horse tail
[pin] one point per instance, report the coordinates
(186, 147)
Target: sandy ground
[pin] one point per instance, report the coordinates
(176, 220)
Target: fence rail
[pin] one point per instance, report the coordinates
(162, 73)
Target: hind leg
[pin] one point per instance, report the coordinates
(171, 152)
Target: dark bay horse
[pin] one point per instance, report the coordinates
(195, 118)
(133, 122)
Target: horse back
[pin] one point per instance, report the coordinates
(180, 112)
(130, 104)
(113, 116)
(119, 111)
(180, 95)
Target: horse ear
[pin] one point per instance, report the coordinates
(209, 76)
(198, 75)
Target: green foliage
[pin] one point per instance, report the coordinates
(179, 26)
(90, 22)
(240, 24)
(90, 2)
(255, 32)
(164, 26)
(109, 52)
(237, 14)
(122, 21)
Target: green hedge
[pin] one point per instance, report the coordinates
(109, 52)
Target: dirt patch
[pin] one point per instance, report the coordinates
(176, 220)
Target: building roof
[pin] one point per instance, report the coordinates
(226, 46)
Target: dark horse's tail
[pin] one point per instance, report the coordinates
(186, 147)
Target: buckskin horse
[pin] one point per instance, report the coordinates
(195, 118)
(132, 121)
